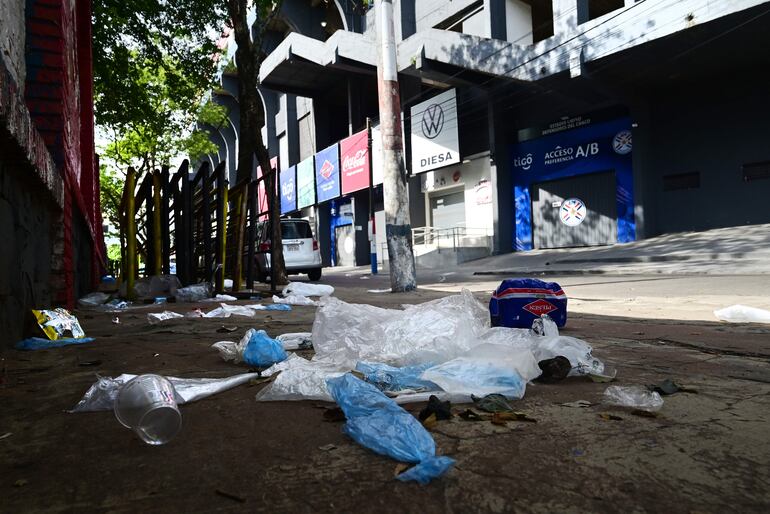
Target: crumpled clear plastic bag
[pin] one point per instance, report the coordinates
(194, 293)
(225, 311)
(742, 314)
(305, 289)
(101, 395)
(153, 318)
(299, 379)
(221, 298)
(576, 350)
(296, 341)
(378, 423)
(295, 299)
(486, 369)
(392, 379)
(93, 299)
(636, 397)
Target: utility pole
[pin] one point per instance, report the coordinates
(398, 229)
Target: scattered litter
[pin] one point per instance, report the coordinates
(39, 343)
(6, 435)
(668, 387)
(296, 341)
(101, 395)
(153, 287)
(743, 314)
(230, 496)
(226, 329)
(470, 415)
(153, 318)
(116, 320)
(300, 379)
(160, 300)
(378, 423)
(295, 299)
(376, 291)
(255, 348)
(545, 326)
(305, 289)
(147, 405)
(228, 284)
(516, 303)
(58, 323)
(437, 409)
(269, 307)
(221, 298)
(261, 380)
(225, 311)
(633, 396)
(93, 299)
(364, 277)
(606, 416)
(429, 422)
(605, 377)
(391, 379)
(193, 293)
(116, 305)
(492, 403)
(502, 418)
(21, 482)
(327, 447)
(554, 370)
(580, 404)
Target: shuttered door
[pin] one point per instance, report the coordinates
(595, 191)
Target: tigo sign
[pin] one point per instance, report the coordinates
(435, 140)
(288, 190)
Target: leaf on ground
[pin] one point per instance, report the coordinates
(400, 468)
(430, 422)
(610, 417)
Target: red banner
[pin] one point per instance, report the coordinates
(354, 162)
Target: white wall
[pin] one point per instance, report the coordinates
(518, 22)
(477, 25)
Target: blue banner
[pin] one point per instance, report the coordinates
(327, 173)
(589, 149)
(289, 190)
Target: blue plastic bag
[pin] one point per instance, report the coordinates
(389, 378)
(517, 302)
(378, 423)
(40, 343)
(262, 351)
(277, 307)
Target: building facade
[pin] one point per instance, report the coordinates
(530, 124)
(50, 217)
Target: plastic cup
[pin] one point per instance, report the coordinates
(147, 405)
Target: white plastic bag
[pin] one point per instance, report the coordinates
(225, 311)
(296, 341)
(221, 298)
(156, 317)
(576, 350)
(295, 299)
(93, 299)
(743, 314)
(305, 289)
(300, 379)
(193, 293)
(636, 397)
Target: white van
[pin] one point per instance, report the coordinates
(300, 250)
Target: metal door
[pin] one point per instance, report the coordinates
(345, 237)
(448, 210)
(575, 211)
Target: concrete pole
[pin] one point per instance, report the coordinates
(398, 229)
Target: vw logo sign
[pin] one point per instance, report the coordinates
(573, 212)
(432, 121)
(621, 143)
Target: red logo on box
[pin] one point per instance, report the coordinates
(326, 169)
(540, 307)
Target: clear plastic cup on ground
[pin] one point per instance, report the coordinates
(147, 405)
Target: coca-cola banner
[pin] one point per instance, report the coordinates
(305, 183)
(354, 162)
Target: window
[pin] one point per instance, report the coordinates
(756, 171)
(542, 20)
(296, 230)
(681, 181)
(592, 9)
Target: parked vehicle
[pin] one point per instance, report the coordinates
(300, 250)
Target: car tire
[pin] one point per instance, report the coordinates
(314, 275)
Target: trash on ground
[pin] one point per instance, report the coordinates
(606, 416)
(40, 343)
(6, 435)
(518, 302)
(470, 415)
(636, 397)
(605, 377)
(255, 348)
(295, 299)
(194, 293)
(554, 370)
(305, 289)
(492, 403)
(116, 320)
(440, 410)
(296, 341)
(221, 298)
(89, 363)
(579, 404)
(743, 314)
(93, 299)
(153, 287)
(327, 447)
(429, 422)
(393, 379)
(668, 386)
(502, 418)
(58, 323)
(378, 423)
(545, 326)
(228, 284)
(377, 291)
(225, 311)
(153, 318)
(226, 329)
(300, 379)
(147, 405)
(101, 395)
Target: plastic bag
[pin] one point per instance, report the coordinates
(40, 343)
(743, 314)
(389, 378)
(636, 397)
(225, 311)
(378, 423)
(221, 298)
(262, 351)
(101, 395)
(58, 323)
(296, 341)
(294, 299)
(486, 369)
(545, 326)
(305, 289)
(93, 299)
(300, 379)
(576, 350)
(194, 293)
(156, 317)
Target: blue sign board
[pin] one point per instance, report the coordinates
(327, 173)
(289, 190)
(589, 149)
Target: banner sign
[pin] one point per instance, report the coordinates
(289, 189)
(354, 162)
(590, 149)
(305, 183)
(262, 192)
(435, 140)
(327, 173)
(376, 156)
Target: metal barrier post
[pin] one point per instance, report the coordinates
(130, 263)
(221, 177)
(157, 245)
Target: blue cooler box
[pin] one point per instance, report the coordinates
(517, 302)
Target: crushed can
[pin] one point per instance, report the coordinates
(517, 302)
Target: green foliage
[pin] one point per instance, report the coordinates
(111, 191)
